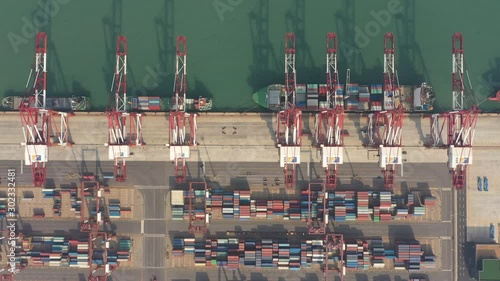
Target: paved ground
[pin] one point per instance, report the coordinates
(219, 274)
(157, 230)
(89, 132)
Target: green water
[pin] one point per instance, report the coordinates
(235, 47)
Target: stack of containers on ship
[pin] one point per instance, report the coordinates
(352, 92)
(300, 92)
(376, 97)
(363, 98)
(312, 96)
(146, 103)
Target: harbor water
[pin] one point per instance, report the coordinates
(236, 47)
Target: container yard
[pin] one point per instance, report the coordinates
(65, 203)
(357, 164)
(343, 206)
(297, 254)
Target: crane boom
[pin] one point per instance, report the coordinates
(454, 130)
(289, 120)
(179, 119)
(120, 138)
(458, 71)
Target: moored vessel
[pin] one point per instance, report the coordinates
(353, 97)
(75, 103)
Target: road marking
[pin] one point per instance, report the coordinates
(142, 226)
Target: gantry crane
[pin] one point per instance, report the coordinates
(454, 130)
(289, 119)
(198, 222)
(178, 142)
(119, 139)
(389, 139)
(41, 126)
(92, 199)
(91, 194)
(334, 256)
(330, 122)
(98, 248)
(317, 196)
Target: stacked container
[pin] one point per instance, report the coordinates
(376, 97)
(124, 246)
(363, 210)
(430, 201)
(339, 94)
(428, 263)
(268, 253)
(402, 212)
(300, 92)
(178, 247)
(177, 203)
(228, 205)
(312, 96)
(378, 254)
(357, 255)
(409, 254)
(294, 210)
(245, 209)
(114, 209)
(146, 103)
(364, 98)
(339, 207)
(419, 211)
(154, 104)
(385, 206)
(75, 202)
(56, 208)
(3, 207)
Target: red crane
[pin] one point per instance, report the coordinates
(389, 139)
(454, 130)
(391, 90)
(41, 127)
(178, 142)
(457, 76)
(334, 256)
(289, 119)
(330, 122)
(119, 139)
(91, 196)
(317, 193)
(99, 245)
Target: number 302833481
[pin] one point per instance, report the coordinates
(11, 192)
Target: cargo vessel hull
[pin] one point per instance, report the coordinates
(354, 98)
(75, 103)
